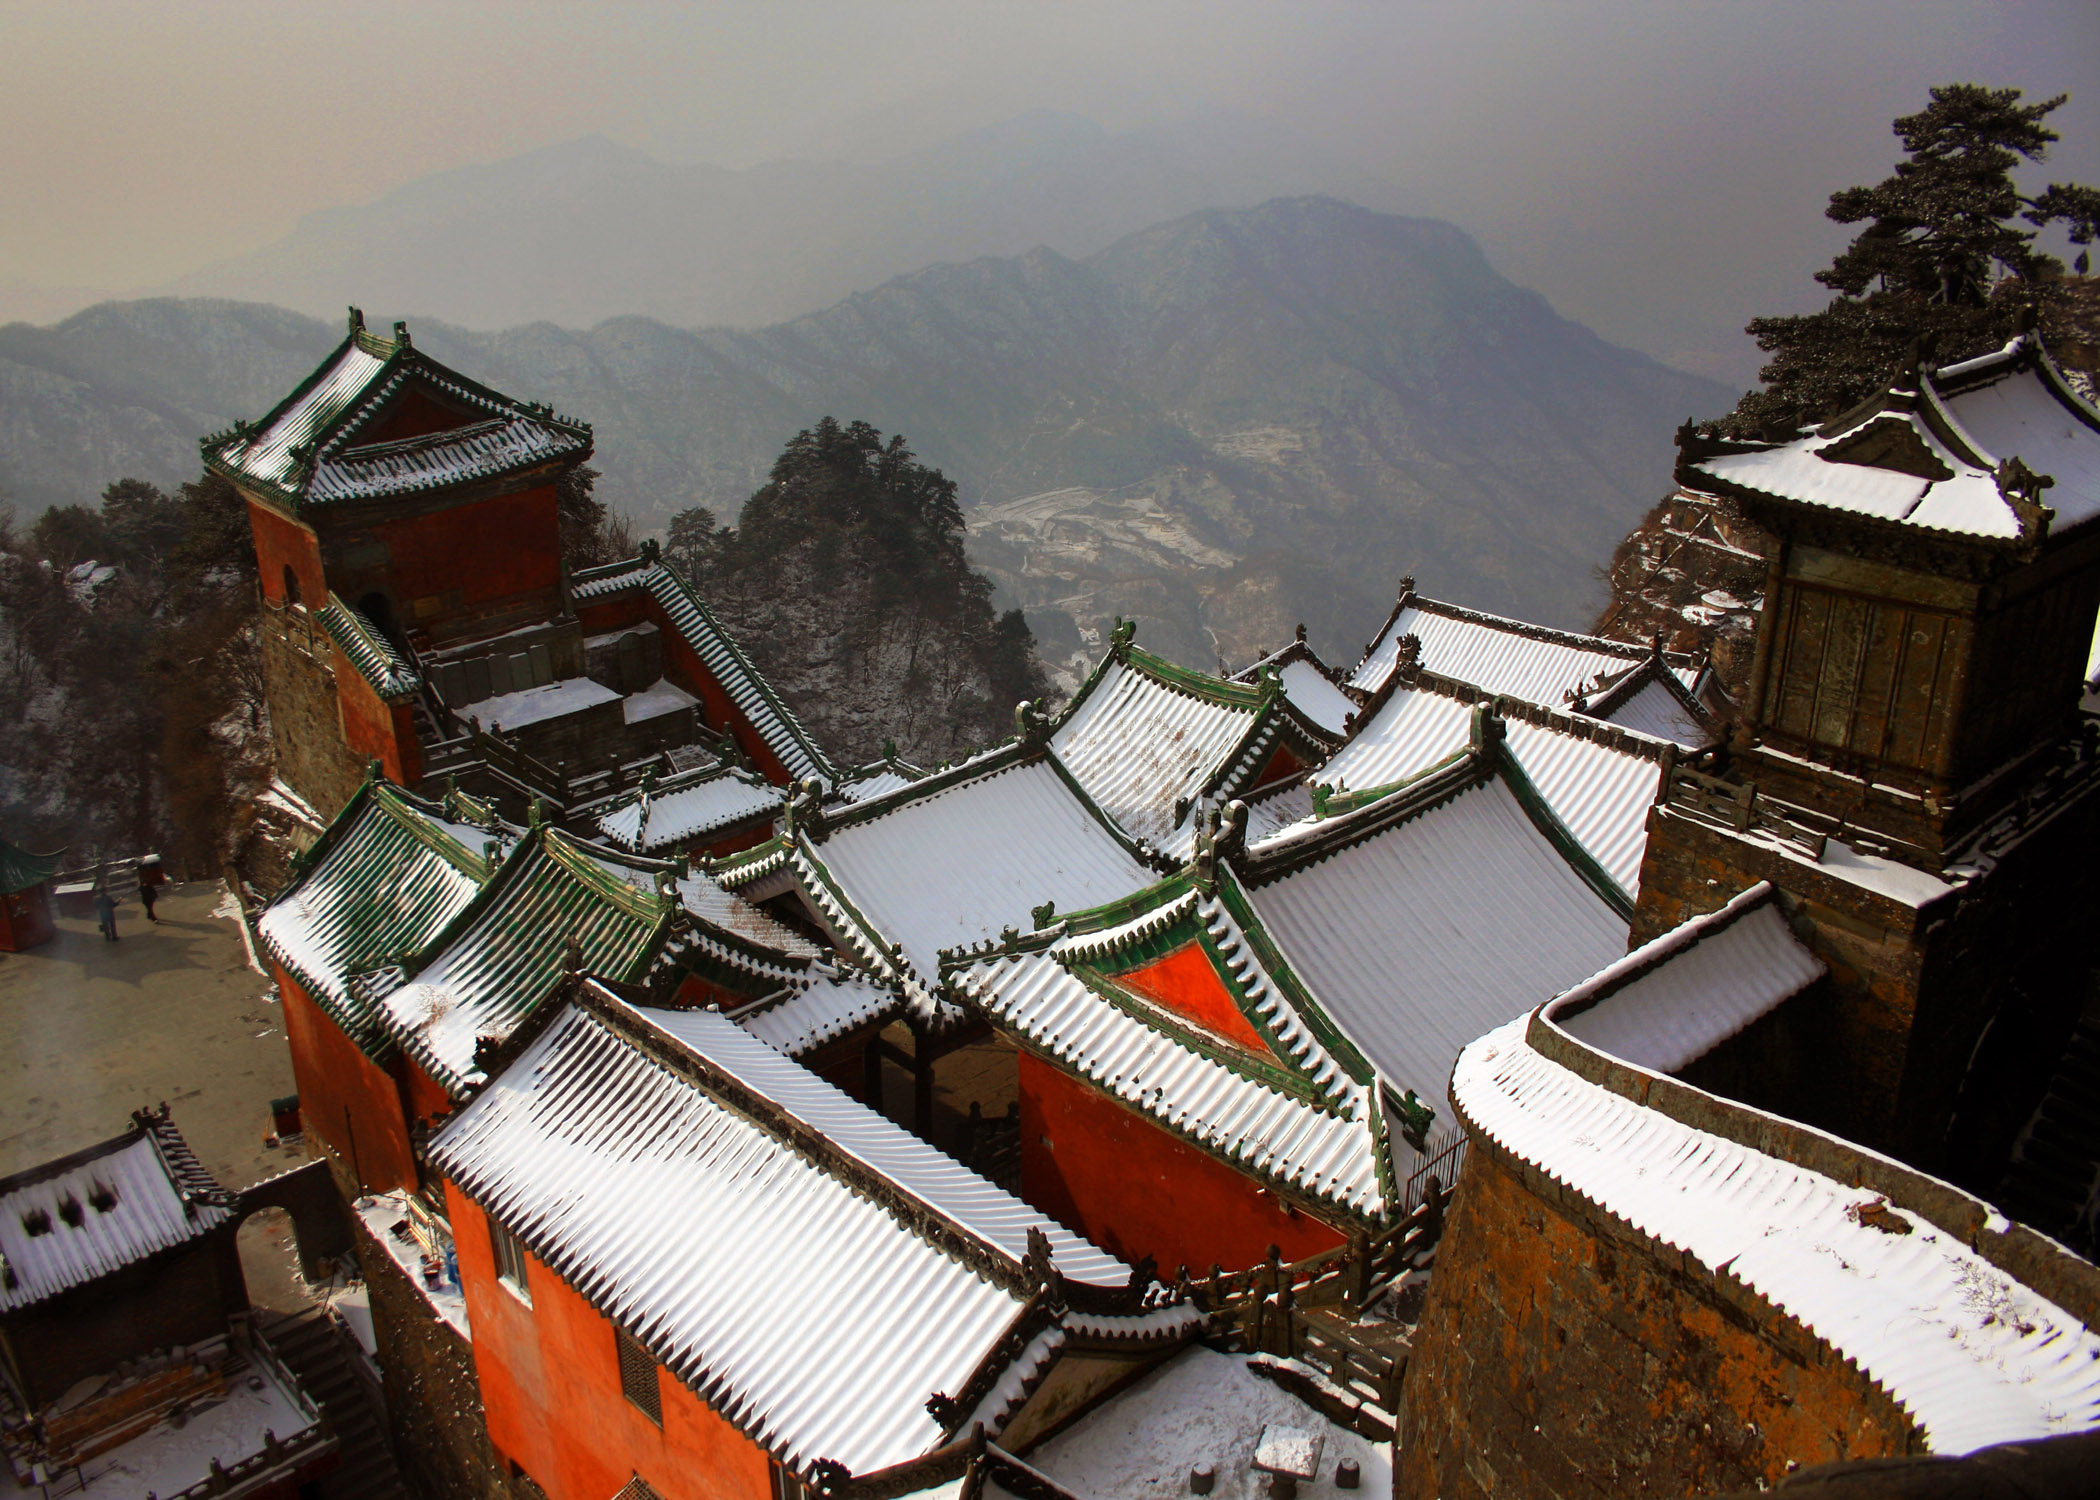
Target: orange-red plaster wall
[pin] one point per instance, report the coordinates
(1135, 1190)
(491, 550)
(427, 1098)
(1185, 983)
(344, 1097)
(550, 1386)
(281, 542)
(374, 728)
(684, 667)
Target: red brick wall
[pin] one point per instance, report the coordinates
(345, 1098)
(1564, 1354)
(1185, 983)
(1134, 1190)
(281, 542)
(550, 1388)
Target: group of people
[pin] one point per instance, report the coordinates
(151, 878)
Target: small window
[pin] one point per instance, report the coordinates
(638, 1376)
(510, 1261)
(291, 585)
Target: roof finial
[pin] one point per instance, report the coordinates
(1031, 724)
(1301, 632)
(1124, 633)
(357, 319)
(1407, 584)
(401, 336)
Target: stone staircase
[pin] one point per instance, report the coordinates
(2053, 1183)
(320, 1352)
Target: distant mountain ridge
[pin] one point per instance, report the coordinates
(588, 230)
(1223, 424)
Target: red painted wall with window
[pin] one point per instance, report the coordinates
(683, 666)
(345, 1098)
(1120, 1180)
(550, 1386)
(281, 543)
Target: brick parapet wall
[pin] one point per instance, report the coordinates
(306, 722)
(1564, 1353)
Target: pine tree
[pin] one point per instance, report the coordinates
(1947, 257)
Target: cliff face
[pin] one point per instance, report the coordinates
(1692, 573)
(1224, 424)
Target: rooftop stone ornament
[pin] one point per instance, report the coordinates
(1219, 833)
(1031, 724)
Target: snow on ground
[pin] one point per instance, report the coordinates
(167, 1459)
(513, 711)
(1201, 1407)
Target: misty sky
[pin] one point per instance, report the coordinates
(1657, 170)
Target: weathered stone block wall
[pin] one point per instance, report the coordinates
(1565, 1354)
(306, 725)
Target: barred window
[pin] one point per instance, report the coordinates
(510, 1261)
(638, 1376)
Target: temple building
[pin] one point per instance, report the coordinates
(1499, 1047)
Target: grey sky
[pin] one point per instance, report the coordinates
(1657, 170)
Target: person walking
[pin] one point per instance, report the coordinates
(152, 876)
(106, 913)
(146, 897)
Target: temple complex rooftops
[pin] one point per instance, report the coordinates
(831, 1244)
(1934, 451)
(1599, 783)
(679, 810)
(388, 874)
(74, 1220)
(1871, 1258)
(318, 445)
(1148, 740)
(1313, 687)
(1428, 916)
(1503, 656)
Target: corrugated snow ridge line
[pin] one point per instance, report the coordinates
(1499, 654)
(505, 952)
(1882, 1273)
(372, 654)
(811, 1303)
(1677, 997)
(1292, 1141)
(687, 806)
(71, 1221)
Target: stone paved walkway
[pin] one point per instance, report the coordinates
(91, 1030)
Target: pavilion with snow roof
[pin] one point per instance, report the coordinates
(394, 631)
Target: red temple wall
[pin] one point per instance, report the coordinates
(1135, 1190)
(345, 1098)
(550, 1386)
(415, 414)
(374, 728)
(427, 1098)
(281, 542)
(490, 550)
(1185, 983)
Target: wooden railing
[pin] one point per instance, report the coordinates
(1351, 1275)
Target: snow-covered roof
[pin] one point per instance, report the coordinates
(385, 877)
(1308, 682)
(1973, 1355)
(683, 808)
(799, 1021)
(391, 675)
(814, 1272)
(75, 1220)
(308, 448)
(953, 865)
(1301, 1112)
(754, 697)
(1928, 452)
(1600, 786)
(505, 953)
(1652, 709)
(1500, 655)
(1420, 921)
(1674, 999)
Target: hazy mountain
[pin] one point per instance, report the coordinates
(589, 230)
(1222, 424)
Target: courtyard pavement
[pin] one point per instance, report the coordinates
(91, 1030)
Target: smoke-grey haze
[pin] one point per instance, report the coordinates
(1657, 170)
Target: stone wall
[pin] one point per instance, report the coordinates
(433, 1401)
(306, 724)
(1565, 1354)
